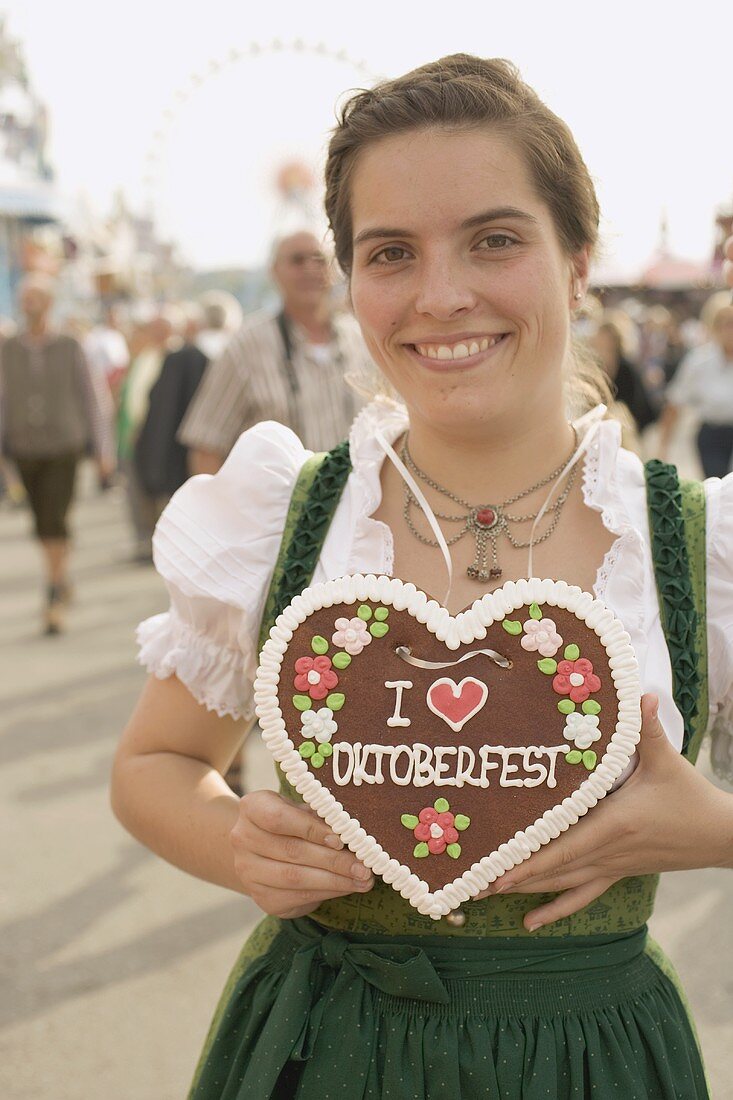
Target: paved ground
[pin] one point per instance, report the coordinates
(111, 961)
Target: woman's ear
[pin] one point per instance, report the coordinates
(580, 274)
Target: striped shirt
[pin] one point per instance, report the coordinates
(251, 382)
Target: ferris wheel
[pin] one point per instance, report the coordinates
(294, 181)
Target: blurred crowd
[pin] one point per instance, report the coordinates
(155, 392)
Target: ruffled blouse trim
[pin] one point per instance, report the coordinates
(214, 674)
(373, 540)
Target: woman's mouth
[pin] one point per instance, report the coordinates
(466, 352)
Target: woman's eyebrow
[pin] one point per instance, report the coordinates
(495, 214)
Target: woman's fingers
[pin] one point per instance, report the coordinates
(274, 814)
(567, 903)
(291, 903)
(303, 853)
(302, 878)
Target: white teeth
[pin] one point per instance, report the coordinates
(456, 351)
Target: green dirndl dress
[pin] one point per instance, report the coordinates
(367, 999)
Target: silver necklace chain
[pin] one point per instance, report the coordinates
(488, 521)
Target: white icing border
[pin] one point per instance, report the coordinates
(467, 627)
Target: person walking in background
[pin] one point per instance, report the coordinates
(288, 367)
(106, 349)
(607, 342)
(161, 462)
(704, 383)
(53, 410)
(144, 371)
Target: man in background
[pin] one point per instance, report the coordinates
(289, 367)
(161, 462)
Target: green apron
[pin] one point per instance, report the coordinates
(368, 999)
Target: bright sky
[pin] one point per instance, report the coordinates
(645, 87)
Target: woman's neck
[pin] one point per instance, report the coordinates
(494, 464)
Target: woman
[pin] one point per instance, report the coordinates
(704, 383)
(465, 220)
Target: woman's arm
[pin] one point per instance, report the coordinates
(168, 792)
(167, 789)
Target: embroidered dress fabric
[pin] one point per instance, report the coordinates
(216, 544)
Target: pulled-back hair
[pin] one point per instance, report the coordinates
(465, 92)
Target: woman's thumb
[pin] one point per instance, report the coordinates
(652, 734)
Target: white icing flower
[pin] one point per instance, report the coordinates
(351, 635)
(582, 729)
(541, 636)
(318, 725)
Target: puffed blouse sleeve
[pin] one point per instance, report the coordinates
(719, 523)
(215, 547)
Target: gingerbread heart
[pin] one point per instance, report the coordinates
(443, 749)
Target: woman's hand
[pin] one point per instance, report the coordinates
(288, 860)
(665, 817)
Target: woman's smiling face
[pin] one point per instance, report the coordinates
(459, 282)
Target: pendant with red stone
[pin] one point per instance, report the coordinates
(487, 523)
(486, 518)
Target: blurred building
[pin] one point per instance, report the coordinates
(28, 197)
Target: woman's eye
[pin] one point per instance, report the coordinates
(392, 254)
(496, 241)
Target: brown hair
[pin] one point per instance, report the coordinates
(465, 92)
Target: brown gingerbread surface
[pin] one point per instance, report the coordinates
(521, 710)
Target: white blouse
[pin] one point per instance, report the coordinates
(217, 542)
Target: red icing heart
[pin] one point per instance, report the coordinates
(456, 703)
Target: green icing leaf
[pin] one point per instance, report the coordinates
(341, 660)
(441, 805)
(319, 645)
(317, 760)
(566, 706)
(307, 749)
(548, 666)
(381, 614)
(378, 630)
(302, 702)
(421, 850)
(535, 611)
(462, 822)
(410, 821)
(571, 653)
(453, 850)
(326, 749)
(512, 627)
(590, 706)
(590, 759)
(335, 700)
(574, 756)
(364, 612)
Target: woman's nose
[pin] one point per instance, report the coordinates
(443, 290)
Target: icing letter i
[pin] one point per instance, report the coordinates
(399, 686)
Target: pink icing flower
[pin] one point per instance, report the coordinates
(351, 635)
(436, 828)
(576, 679)
(315, 675)
(541, 636)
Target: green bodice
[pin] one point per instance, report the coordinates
(677, 524)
